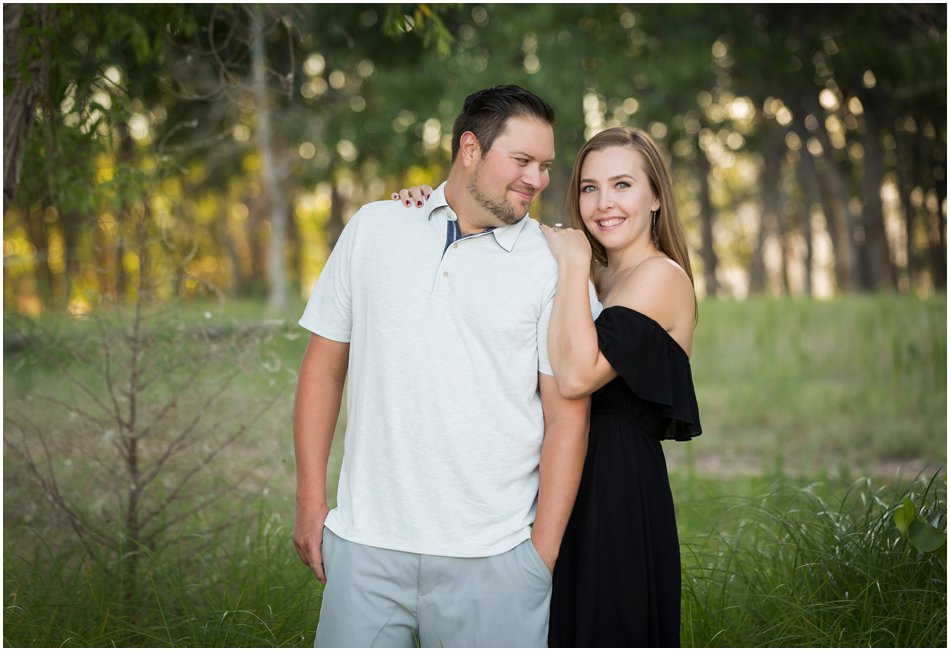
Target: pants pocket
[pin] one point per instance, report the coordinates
(325, 551)
(535, 564)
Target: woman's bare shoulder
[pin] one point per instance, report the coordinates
(660, 289)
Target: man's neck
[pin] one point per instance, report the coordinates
(472, 218)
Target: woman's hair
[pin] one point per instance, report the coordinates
(672, 237)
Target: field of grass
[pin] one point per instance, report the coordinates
(816, 418)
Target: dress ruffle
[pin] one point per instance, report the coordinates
(653, 365)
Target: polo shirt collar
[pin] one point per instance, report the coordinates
(505, 236)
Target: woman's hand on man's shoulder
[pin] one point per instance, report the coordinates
(413, 196)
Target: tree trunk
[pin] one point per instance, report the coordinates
(556, 194)
(938, 229)
(839, 185)
(708, 253)
(72, 224)
(125, 154)
(335, 224)
(835, 196)
(905, 171)
(253, 283)
(771, 182)
(880, 268)
(277, 202)
(223, 236)
(36, 233)
(811, 198)
(26, 29)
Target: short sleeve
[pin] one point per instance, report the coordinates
(653, 366)
(329, 311)
(544, 321)
(544, 360)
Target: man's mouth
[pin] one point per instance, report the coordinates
(524, 195)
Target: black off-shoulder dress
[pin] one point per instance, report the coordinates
(617, 578)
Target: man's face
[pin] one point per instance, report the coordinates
(508, 177)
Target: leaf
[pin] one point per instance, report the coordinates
(904, 516)
(925, 537)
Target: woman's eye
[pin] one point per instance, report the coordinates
(623, 185)
(587, 189)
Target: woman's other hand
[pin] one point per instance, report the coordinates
(568, 245)
(414, 196)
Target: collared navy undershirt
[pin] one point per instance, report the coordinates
(454, 233)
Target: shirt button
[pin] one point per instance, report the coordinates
(445, 273)
(455, 246)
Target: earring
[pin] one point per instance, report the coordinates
(656, 233)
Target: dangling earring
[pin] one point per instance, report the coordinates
(656, 232)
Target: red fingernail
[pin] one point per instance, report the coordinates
(407, 203)
(418, 203)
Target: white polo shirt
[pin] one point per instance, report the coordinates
(444, 422)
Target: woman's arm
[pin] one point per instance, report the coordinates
(578, 366)
(658, 288)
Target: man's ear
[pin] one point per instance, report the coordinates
(470, 150)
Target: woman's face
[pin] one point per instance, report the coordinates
(616, 200)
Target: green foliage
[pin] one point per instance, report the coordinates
(811, 566)
(375, 112)
(426, 20)
(766, 562)
(243, 588)
(846, 384)
(921, 534)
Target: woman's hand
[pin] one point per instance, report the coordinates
(416, 195)
(569, 246)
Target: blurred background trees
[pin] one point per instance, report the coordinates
(808, 143)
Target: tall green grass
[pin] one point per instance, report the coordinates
(245, 589)
(818, 566)
(849, 383)
(794, 568)
(818, 391)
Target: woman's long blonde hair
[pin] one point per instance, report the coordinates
(671, 234)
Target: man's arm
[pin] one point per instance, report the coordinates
(566, 424)
(316, 408)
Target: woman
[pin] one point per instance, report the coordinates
(617, 578)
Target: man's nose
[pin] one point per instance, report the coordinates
(533, 176)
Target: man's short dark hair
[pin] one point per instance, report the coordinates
(486, 112)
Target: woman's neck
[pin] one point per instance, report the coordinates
(629, 258)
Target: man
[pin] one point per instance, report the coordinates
(462, 459)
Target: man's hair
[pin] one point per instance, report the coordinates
(486, 112)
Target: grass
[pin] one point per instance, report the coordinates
(852, 383)
(246, 589)
(815, 566)
(782, 544)
(766, 562)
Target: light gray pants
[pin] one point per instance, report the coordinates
(383, 598)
